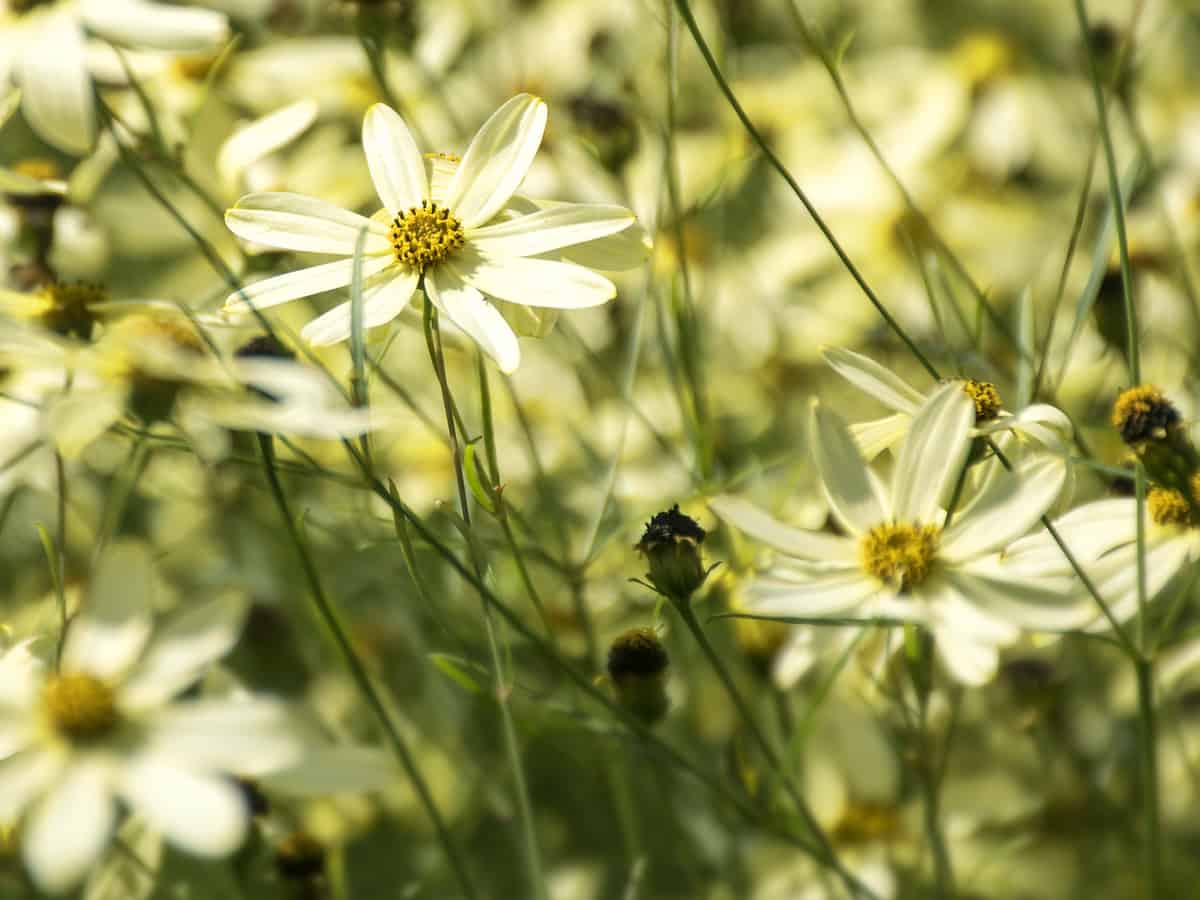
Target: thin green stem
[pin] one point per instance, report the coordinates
(690, 21)
(512, 749)
(826, 854)
(1114, 193)
(358, 672)
(1148, 760)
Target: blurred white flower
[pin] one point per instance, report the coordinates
(449, 238)
(900, 559)
(105, 725)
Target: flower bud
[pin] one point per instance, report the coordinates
(637, 665)
(671, 545)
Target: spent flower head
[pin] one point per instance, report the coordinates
(671, 545)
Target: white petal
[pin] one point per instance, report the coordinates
(70, 829)
(182, 649)
(973, 663)
(301, 283)
(844, 479)
(397, 168)
(1089, 531)
(109, 632)
(334, 770)
(201, 814)
(382, 302)
(262, 137)
(21, 673)
(880, 434)
(497, 159)
(25, 777)
(794, 541)
(297, 222)
(550, 229)
(1008, 507)
(467, 309)
(873, 379)
(532, 282)
(154, 26)
(246, 737)
(1040, 604)
(56, 88)
(618, 252)
(821, 596)
(79, 417)
(933, 454)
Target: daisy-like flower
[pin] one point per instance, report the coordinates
(43, 47)
(899, 559)
(105, 726)
(1040, 423)
(458, 238)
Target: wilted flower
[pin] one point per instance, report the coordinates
(671, 545)
(637, 665)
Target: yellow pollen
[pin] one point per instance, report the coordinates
(425, 235)
(1168, 506)
(38, 167)
(80, 706)
(900, 550)
(985, 397)
(1194, 488)
(1143, 413)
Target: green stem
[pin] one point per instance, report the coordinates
(775, 163)
(826, 854)
(1148, 759)
(1114, 192)
(512, 749)
(359, 674)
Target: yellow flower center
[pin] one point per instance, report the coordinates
(425, 235)
(1168, 506)
(900, 550)
(80, 706)
(985, 397)
(38, 167)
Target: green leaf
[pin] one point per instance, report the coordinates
(358, 353)
(481, 493)
(455, 668)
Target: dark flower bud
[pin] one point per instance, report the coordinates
(637, 665)
(671, 545)
(299, 857)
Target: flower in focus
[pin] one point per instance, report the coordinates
(458, 238)
(900, 558)
(106, 727)
(1041, 423)
(43, 47)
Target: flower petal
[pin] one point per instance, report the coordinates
(787, 539)
(334, 770)
(263, 137)
(70, 828)
(844, 477)
(107, 635)
(970, 662)
(182, 649)
(933, 454)
(1008, 506)
(550, 229)
(397, 168)
(872, 378)
(382, 302)
(24, 777)
(301, 283)
(880, 434)
(533, 282)
(496, 160)
(1040, 604)
(820, 596)
(56, 89)
(245, 737)
(465, 307)
(154, 26)
(201, 814)
(296, 222)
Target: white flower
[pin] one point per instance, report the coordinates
(459, 238)
(104, 727)
(899, 559)
(44, 50)
(1041, 423)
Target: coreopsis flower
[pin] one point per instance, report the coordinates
(1039, 423)
(459, 238)
(105, 728)
(899, 558)
(43, 47)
